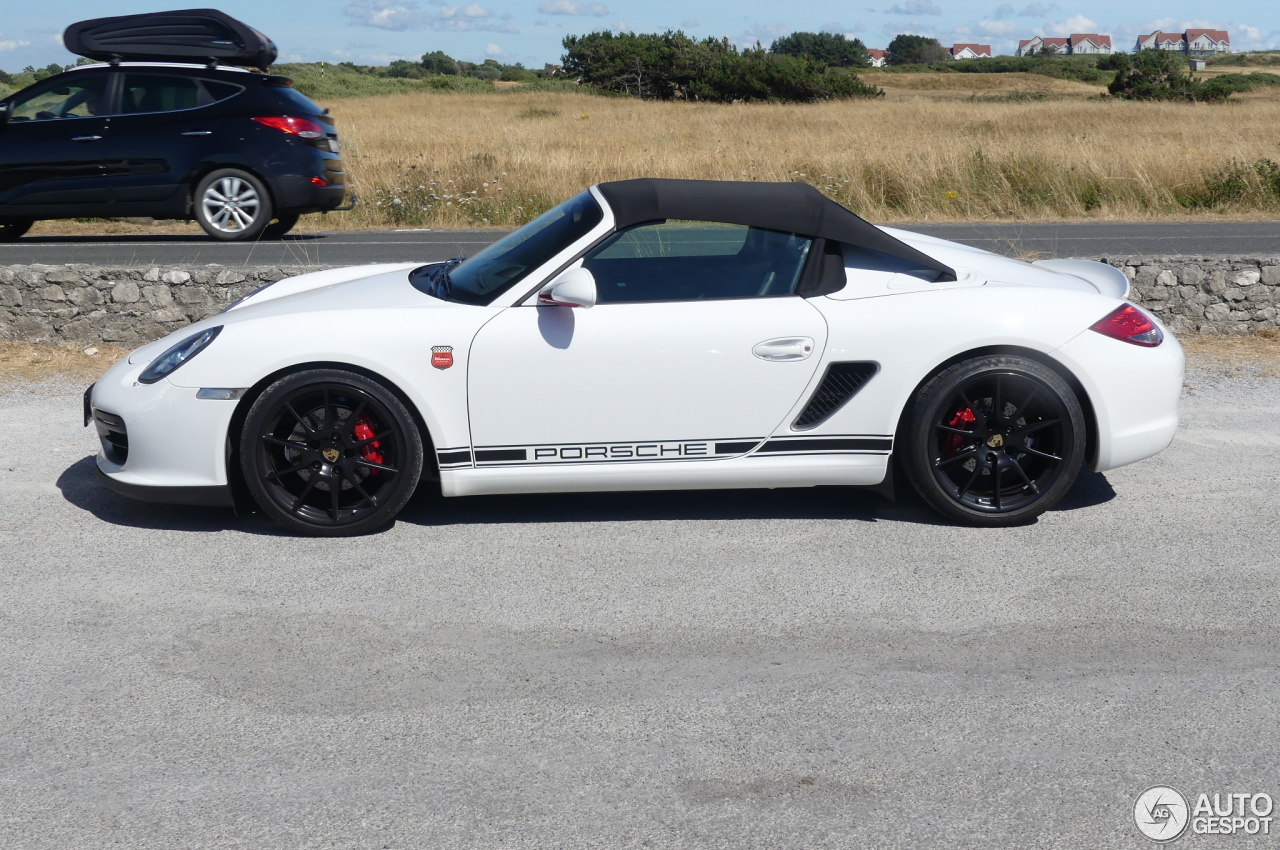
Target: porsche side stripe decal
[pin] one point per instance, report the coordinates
(663, 450)
(826, 445)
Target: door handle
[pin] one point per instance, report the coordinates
(784, 348)
(197, 132)
(85, 138)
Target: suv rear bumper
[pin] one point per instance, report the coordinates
(300, 195)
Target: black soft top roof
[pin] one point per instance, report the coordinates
(186, 35)
(788, 207)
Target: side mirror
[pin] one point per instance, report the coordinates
(574, 288)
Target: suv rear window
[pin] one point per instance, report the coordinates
(297, 98)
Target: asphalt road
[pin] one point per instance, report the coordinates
(1040, 239)
(772, 669)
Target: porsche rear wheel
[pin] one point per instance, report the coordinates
(330, 453)
(995, 440)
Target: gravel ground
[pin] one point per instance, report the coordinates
(790, 668)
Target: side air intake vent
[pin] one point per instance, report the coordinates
(841, 383)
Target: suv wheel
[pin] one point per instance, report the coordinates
(232, 205)
(12, 228)
(282, 225)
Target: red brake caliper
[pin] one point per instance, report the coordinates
(962, 417)
(364, 431)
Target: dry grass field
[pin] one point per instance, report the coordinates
(447, 160)
(937, 147)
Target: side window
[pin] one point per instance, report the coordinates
(688, 260)
(219, 90)
(161, 93)
(84, 97)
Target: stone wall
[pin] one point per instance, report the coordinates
(1206, 294)
(133, 305)
(124, 306)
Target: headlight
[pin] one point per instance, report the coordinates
(169, 362)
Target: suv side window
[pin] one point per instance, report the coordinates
(161, 93)
(688, 260)
(83, 97)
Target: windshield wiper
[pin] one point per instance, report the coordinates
(441, 284)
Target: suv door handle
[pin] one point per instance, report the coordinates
(85, 138)
(197, 132)
(784, 348)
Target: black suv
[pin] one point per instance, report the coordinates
(239, 151)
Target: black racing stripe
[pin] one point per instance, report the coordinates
(487, 455)
(833, 444)
(460, 456)
(735, 448)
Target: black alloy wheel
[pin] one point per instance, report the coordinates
(232, 205)
(282, 225)
(995, 441)
(330, 453)
(11, 229)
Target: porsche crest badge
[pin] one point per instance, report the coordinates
(442, 356)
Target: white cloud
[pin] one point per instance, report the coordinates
(11, 44)
(914, 7)
(1036, 10)
(962, 30)
(386, 14)
(496, 52)
(1004, 11)
(1075, 23)
(402, 15)
(997, 27)
(690, 24)
(621, 26)
(573, 7)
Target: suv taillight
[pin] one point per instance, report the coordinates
(1129, 324)
(300, 127)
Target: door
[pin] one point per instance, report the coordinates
(164, 127)
(696, 349)
(52, 145)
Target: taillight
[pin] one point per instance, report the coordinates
(1129, 324)
(301, 127)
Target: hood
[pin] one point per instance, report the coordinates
(377, 287)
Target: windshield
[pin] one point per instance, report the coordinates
(497, 268)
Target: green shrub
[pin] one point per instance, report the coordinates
(671, 66)
(1161, 75)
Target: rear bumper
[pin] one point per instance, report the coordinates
(1134, 392)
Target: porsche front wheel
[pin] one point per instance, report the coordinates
(330, 453)
(995, 440)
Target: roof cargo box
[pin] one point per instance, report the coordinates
(188, 35)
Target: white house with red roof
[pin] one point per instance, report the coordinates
(877, 57)
(1197, 42)
(970, 51)
(1076, 44)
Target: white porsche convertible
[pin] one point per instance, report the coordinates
(651, 334)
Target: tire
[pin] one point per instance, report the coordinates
(232, 205)
(11, 229)
(282, 225)
(330, 453)
(994, 441)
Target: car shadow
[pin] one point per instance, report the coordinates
(1091, 489)
(80, 487)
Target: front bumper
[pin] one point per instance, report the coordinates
(159, 442)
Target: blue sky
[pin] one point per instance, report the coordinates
(529, 31)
